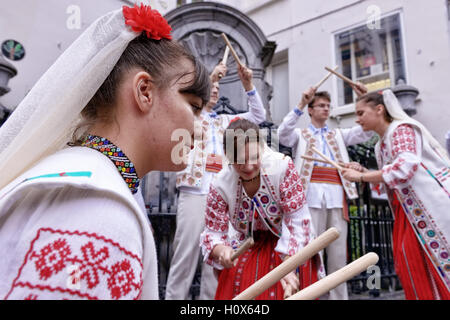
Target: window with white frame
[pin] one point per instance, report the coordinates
(374, 57)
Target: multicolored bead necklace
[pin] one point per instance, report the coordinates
(115, 154)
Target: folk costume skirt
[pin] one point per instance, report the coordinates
(254, 264)
(419, 278)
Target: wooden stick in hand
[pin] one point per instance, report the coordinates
(225, 55)
(330, 282)
(225, 38)
(244, 247)
(224, 60)
(324, 79)
(350, 81)
(289, 265)
(328, 160)
(314, 159)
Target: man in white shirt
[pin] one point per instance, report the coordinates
(326, 190)
(205, 161)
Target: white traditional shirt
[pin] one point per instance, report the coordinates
(195, 179)
(289, 136)
(70, 228)
(279, 206)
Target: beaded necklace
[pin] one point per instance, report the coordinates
(117, 156)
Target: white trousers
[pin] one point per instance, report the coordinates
(323, 219)
(186, 246)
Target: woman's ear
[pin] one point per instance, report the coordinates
(143, 90)
(380, 110)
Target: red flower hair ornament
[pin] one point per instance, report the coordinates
(144, 18)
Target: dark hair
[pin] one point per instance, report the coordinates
(374, 99)
(241, 130)
(160, 58)
(317, 96)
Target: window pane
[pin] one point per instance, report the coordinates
(373, 57)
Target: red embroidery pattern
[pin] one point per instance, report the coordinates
(403, 140)
(216, 217)
(77, 265)
(293, 199)
(400, 171)
(291, 191)
(216, 220)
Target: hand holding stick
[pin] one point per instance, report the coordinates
(324, 157)
(289, 265)
(324, 79)
(330, 282)
(244, 247)
(314, 159)
(225, 38)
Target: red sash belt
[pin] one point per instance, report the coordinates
(326, 175)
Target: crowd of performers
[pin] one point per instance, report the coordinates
(72, 218)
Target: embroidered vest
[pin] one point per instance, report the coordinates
(194, 172)
(338, 149)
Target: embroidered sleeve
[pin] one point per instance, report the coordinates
(296, 224)
(73, 264)
(286, 131)
(79, 244)
(216, 226)
(405, 150)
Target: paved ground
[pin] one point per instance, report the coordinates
(384, 295)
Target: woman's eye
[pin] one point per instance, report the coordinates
(196, 109)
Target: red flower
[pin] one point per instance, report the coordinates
(145, 19)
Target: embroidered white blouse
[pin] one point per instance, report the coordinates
(406, 150)
(280, 209)
(71, 229)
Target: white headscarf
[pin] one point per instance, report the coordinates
(45, 119)
(397, 113)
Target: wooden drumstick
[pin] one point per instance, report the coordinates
(314, 159)
(225, 38)
(224, 60)
(330, 282)
(289, 265)
(324, 79)
(350, 81)
(244, 247)
(324, 157)
(225, 55)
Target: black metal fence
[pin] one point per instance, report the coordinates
(370, 229)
